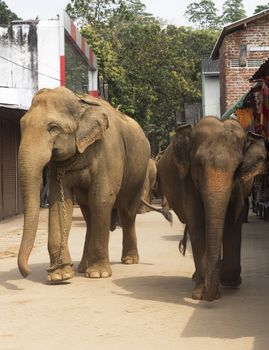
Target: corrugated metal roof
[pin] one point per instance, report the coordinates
(210, 66)
(233, 27)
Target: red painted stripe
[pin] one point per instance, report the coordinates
(83, 44)
(62, 70)
(91, 56)
(94, 93)
(73, 31)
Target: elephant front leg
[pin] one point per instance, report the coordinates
(98, 238)
(59, 226)
(231, 260)
(198, 249)
(196, 230)
(60, 218)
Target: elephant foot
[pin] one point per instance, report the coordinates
(130, 259)
(198, 291)
(211, 296)
(98, 271)
(60, 274)
(82, 267)
(231, 282)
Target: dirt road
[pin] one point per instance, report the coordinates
(141, 307)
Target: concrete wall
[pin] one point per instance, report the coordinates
(18, 63)
(49, 33)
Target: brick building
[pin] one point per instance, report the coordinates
(241, 48)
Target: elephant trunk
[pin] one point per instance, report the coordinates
(30, 167)
(216, 198)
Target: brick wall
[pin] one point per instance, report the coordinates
(234, 81)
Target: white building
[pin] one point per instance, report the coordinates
(44, 54)
(35, 55)
(210, 87)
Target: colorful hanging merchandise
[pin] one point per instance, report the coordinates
(252, 112)
(265, 108)
(245, 118)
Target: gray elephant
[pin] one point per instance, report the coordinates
(93, 151)
(206, 173)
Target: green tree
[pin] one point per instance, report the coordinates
(91, 11)
(151, 69)
(203, 14)
(232, 11)
(260, 8)
(6, 15)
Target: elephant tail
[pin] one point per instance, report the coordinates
(166, 213)
(182, 246)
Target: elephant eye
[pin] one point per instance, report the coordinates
(54, 129)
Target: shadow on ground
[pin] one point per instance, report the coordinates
(240, 313)
(175, 238)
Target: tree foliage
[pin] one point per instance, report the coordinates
(232, 11)
(6, 15)
(151, 69)
(203, 14)
(260, 8)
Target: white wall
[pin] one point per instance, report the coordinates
(18, 64)
(211, 98)
(49, 53)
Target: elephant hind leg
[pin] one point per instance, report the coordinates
(82, 267)
(129, 242)
(95, 260)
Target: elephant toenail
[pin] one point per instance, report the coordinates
(128, 262)
(95, 274)
(105, 274)
(56, 277)
(66, 276)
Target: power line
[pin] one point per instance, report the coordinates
(31, 70)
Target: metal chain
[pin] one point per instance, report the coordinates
(63, 223)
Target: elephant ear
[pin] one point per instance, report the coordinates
(181, 146)
(92, 125)
(255, 158)
(254, 163)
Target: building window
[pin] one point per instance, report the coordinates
(76, 69)
(250, 63)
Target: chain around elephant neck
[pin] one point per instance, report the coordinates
(63, 221)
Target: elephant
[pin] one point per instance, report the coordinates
(94, 152)
(206, 173)
(149, 184)
(158, 190)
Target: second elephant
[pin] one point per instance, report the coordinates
(206, 173)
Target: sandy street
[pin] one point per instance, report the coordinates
(141, 307)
